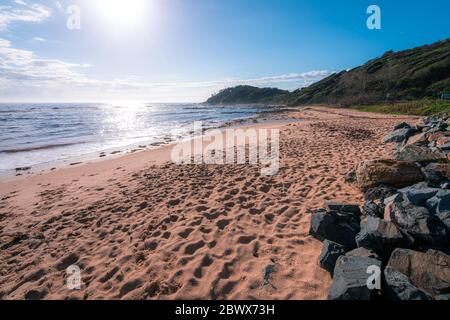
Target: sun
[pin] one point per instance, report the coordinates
(123, 14)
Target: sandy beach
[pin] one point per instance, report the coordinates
(141, 227)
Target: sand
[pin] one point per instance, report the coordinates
(141, 227)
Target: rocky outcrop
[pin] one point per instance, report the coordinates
(373, 173)
(404, 226)
(428, 271)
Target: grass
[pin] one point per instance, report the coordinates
(418, 107)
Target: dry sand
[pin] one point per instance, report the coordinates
(140, 227)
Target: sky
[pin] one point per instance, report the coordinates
(186, 50)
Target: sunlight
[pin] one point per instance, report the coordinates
(124, 15)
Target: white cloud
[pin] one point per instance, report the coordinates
(39, 39)
(23, 12)
(27, 77)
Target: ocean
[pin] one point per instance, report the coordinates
(42, 134)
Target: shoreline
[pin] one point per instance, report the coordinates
(140, 227)
(114, 152)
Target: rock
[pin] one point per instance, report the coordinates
(267, 273)
(350, 279)
(444, 147)
(440, 205)
(418, 222)
(379, 193)
(350, 177)
(336, 227)
(429, 272)
(419, 139)
(331, 251)
(341, 207)
(443, 142)
(436, 136)
(442, 297)
(415, 153)
(445, 219)
(399, 135)
(436, 173)
(440, 202)
(371, 209)
(23, 169)
(402, 125)
(381, 236)
(364, 253)
(399, 174)
(418, 195)
(399, 287)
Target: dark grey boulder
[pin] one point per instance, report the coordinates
(399, 287)
(399, 135)
(402, 125)
(371, 209)
(440, 202)
(363, 253)
(445, 219)
(436, 173)
(351, 278)
(419, 194)
(445, 146)
(331, 251)
(416, 153)
(443, 297)
(381, 236)
(337, 227)
(429, 271)
(445, 185)
(379, 193)
(418, 222)
(342, 207)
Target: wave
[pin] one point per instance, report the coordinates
(35, 148)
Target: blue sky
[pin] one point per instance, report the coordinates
(185, 50)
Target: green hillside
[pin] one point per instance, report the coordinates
(422, 73)
(248, 94)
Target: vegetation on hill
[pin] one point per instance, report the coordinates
(248, 94)
(415, 77)
(422, 72)
(419, 107)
